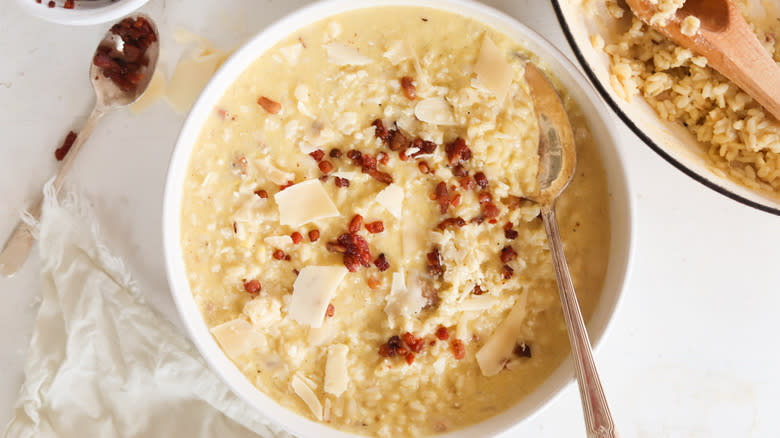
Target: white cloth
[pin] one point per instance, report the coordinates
(102, 363)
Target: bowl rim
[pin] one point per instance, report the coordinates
(620, 269)
(591, 74)
(81, 16)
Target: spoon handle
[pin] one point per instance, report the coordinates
(19, 243)
(598, 419)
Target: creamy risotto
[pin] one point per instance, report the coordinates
(740, 137)
(356, 231)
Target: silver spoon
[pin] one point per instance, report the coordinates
(557, 159)
(108, 97)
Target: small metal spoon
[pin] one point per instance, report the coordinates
(108, 97)
(557, 159)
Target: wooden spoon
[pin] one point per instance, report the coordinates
(727, 42)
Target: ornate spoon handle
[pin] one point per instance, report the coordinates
(598, 418)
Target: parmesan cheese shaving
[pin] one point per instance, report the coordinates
(392, 199)
(279, 242)
(340, 54)
(492, 69)
(405, 298)
(312, 292)
(307, 395)
(190, 76)
(434, 110)
(497, 351)
(478, 303)
(336, 377)
(237, 337)
(304, 202)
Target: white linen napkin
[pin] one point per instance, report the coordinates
(102, 363)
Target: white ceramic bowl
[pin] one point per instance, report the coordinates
(575, 83)
(671, 141)
(85, 13)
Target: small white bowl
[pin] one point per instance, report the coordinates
(671, 141)
(579, 89)
(85, 13)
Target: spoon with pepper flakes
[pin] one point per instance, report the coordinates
(120, 72)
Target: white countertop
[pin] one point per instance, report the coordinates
(692, 351)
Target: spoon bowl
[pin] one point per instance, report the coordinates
(107, 92)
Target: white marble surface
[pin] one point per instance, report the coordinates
(692, 352)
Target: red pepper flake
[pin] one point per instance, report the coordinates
(279, 254)
(467, 183)
(460, 171)
(373, 283)
(355, 224)
(481, 179)
(335, 247)
(451, 222)
(442, 333)
(490, 210)
(296, 237)
(330, 311)
(380, 131)
(325, 166)
(69, 4)
(457, 151)
(443, 196)
(368, 162)
(398, 141)
(125, 69)
(414, 343)
(508, 254)
(522, 350)
(318, 155)
(356, 251)
(314, 235)
(261, 193)
(289, 184)
(393, 346)
(455, 201)
(381, 263)
(507, 272)
(477, 290)
(383, 158)
(407, 83)
(382, 177)
(270, 106)
(341, 182)
(424, 168)
(409, 358)
(425, 147)
(335, 153)
(252, 286)
(375, 227)
(434, 263)
(61, 151)
(458, 349)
